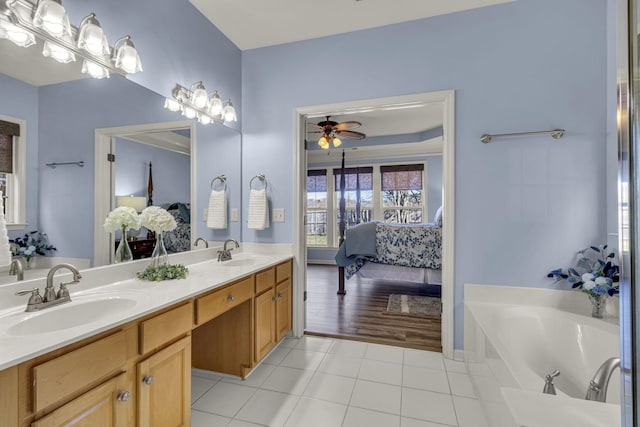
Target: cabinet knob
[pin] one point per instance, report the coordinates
(273, 299)
(279, 295)
(231, 298)
(147, 379)
(124, 396)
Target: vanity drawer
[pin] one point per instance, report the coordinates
(216, 303)
(59, 378)
(283, 271)
(165, 327)
(265, 280)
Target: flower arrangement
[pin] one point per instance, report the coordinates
(31, 244)
(164, 272)
(157, 219)
(123, 217)
(595, 272)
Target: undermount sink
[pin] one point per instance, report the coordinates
(69, 315)
(242, 260)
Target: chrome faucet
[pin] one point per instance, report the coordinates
(37, 302)
(200, 239)
(225, 254)
(16, 269)
(549, 387)
(600, 382)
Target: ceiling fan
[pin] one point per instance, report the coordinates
(332, 130)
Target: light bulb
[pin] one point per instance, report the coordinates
(127, 58)
(215, 104)
(204, 119)
(229, 112)
(323, 142)
(91, 37)
(94, 70)
(17, 35)
(51, 17)
(336, 141)
(189, 112)
(199, 97)
(171, 104)
(58, 53)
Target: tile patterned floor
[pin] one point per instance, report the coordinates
(325, 382)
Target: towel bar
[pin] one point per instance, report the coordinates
(222, 179)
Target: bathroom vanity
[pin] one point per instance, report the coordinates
(137, 372)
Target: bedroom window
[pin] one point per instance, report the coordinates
(358, 196)
(12, 175)
(402, 200)
(316, 223)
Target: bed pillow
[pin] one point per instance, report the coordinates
(437, 219)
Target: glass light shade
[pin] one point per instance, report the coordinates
(215, 104)
(229, 113)
(204, 119)
(94, 70)
(336, 141)
(58, 53)
(127, 59)
(323, 142)
(51, 17)
(17, 35)
(199, 97)
(171, 104)
(189, 112)
(91, 37)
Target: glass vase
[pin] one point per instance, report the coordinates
(123, 252)
(159, 257)
(598, 304)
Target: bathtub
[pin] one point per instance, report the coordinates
(511, 347)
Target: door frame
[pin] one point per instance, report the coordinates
(447, 98)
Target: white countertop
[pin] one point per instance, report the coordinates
(117, 282)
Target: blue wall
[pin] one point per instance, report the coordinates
(522, 206)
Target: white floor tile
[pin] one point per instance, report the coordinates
(469, 412)
(224, 399)
(348, 348)
(309, 342)
(288, 380)
(455, 366)
(200, 386)
(425, 379)
(359, 417)
(268, 408)
(423, 359)
(303, 359)
(316, 413)
(332, 388)
(204, 419)
(277, 355)
(428, 406)
(376, 396)
(478, 370)
(256, 378)
(239, 423)
(289, 342)
(382, 372)
(412, 422)
(461, 385)
(337, 364)
(384, 353)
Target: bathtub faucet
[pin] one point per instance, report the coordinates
(600, 382)
(549, 388)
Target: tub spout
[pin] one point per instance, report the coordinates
(600, 382)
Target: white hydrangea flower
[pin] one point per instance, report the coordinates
(589, 285)
(123, 216)
(587, 277)
(157, 219)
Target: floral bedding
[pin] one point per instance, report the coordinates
(178, 239)
(409, 245)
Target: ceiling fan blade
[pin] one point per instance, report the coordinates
(349, 134)
(348, 125)
(315, 126)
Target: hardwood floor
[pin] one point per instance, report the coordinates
(359, 315)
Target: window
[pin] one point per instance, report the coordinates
(402, 193)
(358, 194)
(12, 170)
(317, 207)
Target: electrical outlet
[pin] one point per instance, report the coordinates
(234, 215)
(278, 215)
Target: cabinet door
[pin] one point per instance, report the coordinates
(265, 324)
(283, 309)
(164, 387)
(106, 405)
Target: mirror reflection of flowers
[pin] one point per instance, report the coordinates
(31, 244)
(122, 218)
(157, 219)
(595, 273)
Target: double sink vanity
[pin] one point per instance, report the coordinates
(121, 352)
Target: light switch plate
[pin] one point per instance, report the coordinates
(234, 215)
(278, 215)
(205, 212)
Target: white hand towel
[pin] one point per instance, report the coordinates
(258, 210)
(217, 211)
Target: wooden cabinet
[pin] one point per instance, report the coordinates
(283, 309)
(264, 323)
(164, 387)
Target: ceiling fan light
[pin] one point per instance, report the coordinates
(199, 97)
(323, 142)
(52, 17)
(94, 70)
(15, 34)
(171, 105)
(229, 113)
(91, 37)
(127, 58)
(336, 141)
(215, 104)
(58, 53)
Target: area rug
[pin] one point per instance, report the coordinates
(415, 305)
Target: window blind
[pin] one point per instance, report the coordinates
(402, 177)
(316, 180)
(353, 175)
(7, 131)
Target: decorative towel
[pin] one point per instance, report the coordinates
(217, 211)
(258, 210)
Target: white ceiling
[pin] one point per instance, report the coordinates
(257, 23)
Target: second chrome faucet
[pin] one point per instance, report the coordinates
(225, 254)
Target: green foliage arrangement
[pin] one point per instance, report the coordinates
(164, 272)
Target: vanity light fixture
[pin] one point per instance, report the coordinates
(194, 102)
(22, 21)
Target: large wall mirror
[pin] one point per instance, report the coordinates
(61, 116)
